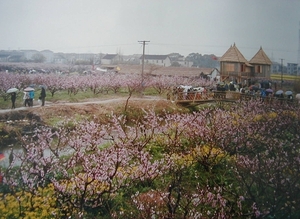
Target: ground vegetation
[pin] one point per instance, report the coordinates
(136, 154)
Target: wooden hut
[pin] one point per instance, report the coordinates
(261, 64)
(234, 66)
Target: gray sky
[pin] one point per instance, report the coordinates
(183, 26)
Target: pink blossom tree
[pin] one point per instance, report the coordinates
(53, 82)
(238, 161)
(133, 84)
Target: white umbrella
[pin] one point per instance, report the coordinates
(12, 90)
(44, 86)
(288, 93)
(28, 89)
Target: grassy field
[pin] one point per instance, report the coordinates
(285, 77)
(61, 96)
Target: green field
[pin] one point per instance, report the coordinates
(285, 77)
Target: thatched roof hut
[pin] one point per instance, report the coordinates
(233, 54)
(235, 67)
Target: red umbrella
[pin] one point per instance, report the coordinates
(2, 157)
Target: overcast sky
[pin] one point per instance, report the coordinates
(182, 26)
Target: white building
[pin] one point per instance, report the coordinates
(161, 60)
(212, 74)
(111, 59)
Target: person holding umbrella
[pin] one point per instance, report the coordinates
(26, 98)
(289, 95)
(13, 96)
(269, 92)
(30, 91)
(31, 97)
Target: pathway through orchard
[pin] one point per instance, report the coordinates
(95, 101)
(54, 107)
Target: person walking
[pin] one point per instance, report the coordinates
(13, 100)
(31, 97)
(263, 94)
(26, 98)
(43, 96)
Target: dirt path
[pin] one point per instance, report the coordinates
(94, 101)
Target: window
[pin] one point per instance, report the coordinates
(229, 67)
(258, 69)
(242, 67)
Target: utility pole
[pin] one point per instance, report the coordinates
(298, 69)
(281, 71)
(144, 43)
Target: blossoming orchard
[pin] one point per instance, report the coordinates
(241, 160)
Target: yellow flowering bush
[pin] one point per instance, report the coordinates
(72, 184)
(212, 155)
(26, 205)
(269, 115)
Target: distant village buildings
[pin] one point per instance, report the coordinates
(233, 65)
(47, 56)
(111, 59)
(292, 68)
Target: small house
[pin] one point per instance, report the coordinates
(111, 59)
(161, 60)
(211, 74)
(234, 66)
(261, 64)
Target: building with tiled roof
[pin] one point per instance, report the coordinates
(111, 59)
(161, 60)
(235, 67)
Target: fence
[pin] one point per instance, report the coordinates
(210, 96)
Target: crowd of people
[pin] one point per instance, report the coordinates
(263, 89)
(28, 97)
